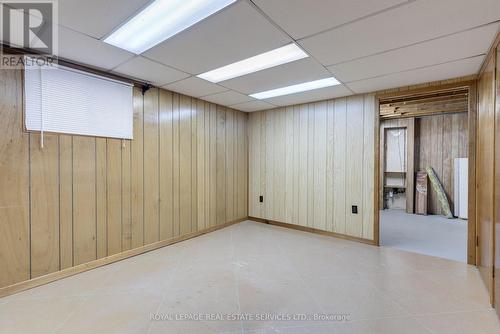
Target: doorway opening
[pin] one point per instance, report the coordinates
(424, 177)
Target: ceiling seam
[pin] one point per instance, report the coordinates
(261, 12)
(414, 44)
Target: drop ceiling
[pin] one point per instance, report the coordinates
(368, 45)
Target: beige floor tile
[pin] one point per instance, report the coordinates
(486, 322)
(259, 269)
(43, 315)
(118, 313)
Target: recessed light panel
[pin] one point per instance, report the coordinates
(283, 55)
(302, 87)
(161, 20)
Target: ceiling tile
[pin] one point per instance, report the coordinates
(405, 25)
(97, 18)
(148, 70)
(195, 87)
(458, 46)
(449, 70)
(310, 96)
(253, 106)
(89, 51)
(237, 32)
(299, 71)
(227, 98)
(301, 18)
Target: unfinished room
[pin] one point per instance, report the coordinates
(250, 166)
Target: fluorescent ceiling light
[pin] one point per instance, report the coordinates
(302, 87)
(283, 55)
(161, 20)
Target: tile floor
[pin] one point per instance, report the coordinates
(256, 269)
(430, 235)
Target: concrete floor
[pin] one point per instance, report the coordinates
(430, 235)
(256, 269)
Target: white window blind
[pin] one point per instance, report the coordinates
(69, 101)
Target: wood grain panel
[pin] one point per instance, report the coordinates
(185, 149)
(319, 160)
(44, 198)
(485, 173)
(220, 179)
(303, 164)
(354, 175)
(278, 174)
(14, 181)
(496, 214)
(312, 161)
(369, 191)
(114, 196)
(230, 164)
(151, 167)
(175, 161)
(84, 200)
(95, 200)
(137, 173)
(66, 201)
(126, 196)
(166, 166)
(101, 198)
(254, 148)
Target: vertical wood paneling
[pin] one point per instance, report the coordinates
(230, 144)
(66, 201)
(194, 162)
(339, 167)
(319, 160)
(289, 168)
(278, 157)
(175, 141)
(220, 166)
(213, 164)
(114, 195)
(101, 198)
(44, 204)
(330, 145)
(368, 166)
(166, 166)
(354, 159)
(269, 169)
(303, 164)
(200, 164)
(185, 157)
(485, 172)
(94, 197)
(84, 200)
(126, 197)
(151, 167)
(254, 148)
(14, 181)
(137, 172)
(299, 161)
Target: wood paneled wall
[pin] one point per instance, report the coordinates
(485, 174)
(312, 162)
(439, 139)
(84, 198)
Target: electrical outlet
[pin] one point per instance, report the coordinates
(355, 209)
(261, 199)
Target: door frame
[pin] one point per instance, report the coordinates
(470, 85)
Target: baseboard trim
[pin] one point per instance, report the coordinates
(45, 279)
(313, 230)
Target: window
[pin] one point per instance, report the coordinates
(65, 100)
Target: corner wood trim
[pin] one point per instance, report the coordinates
(52, 277)
(313, 230)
